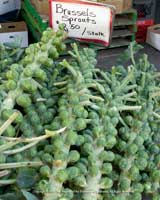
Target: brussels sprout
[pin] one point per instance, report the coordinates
(45, 171)
(67, 194)
(141, 163)
(133, 173)
(73, 172)
(10, 131)
(155, 175)
(107, 156)
(132, 149)
(74, 156)
(124, 184)
(10, 85)
(110, 141)
(71, 138)
(23, 100)
(46, 157)
(107, 168)
(124, 164)
(62, 175)
(106, 183)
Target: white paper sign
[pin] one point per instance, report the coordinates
(83, 20)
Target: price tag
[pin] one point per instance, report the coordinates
(83, 20)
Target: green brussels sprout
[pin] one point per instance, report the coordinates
(42, 108)
(46, 157)
(135, 196)
(101, 142)
(67, 193)
(107, 168)
(124, 184)
(154, 149)
(107, 156)
(10, 85)
(8, 112)
(132, 149)
(147, 187)
(129, 120)
(23, 100)
(97, 131)
(34, 119)
(49, 149)
(71, 137)
(80, 181)
(142, 154)
(12, 75)
(73, 156)
(62, 175)
(73, 172)
(111, 130)
(45, 171)
(155, 175)
(10, 131)
(53, 53)
(32, 152)
(110, 141)
(87, 148)
(139, 141)
(40, 74)
(28, 85)
(133, 173)
(60, 155)
(121, 145)
(124, 164)
(28, 72)
(58, 143)
(80, 124)
(18, 157)
(157, 160)
(88, 138)
(78, 110)
(74, 100)
(80, 140)
(141, 163)
(156, 197)
(82, 168)
(106, 183)
(137, 187)
(114, 121)
(151, 165)
(43, 186)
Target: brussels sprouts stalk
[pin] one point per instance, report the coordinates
(8, 122)
(4, 173)
(7, 182)
(20, 164)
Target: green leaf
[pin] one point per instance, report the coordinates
(27, 178)
(28, 195)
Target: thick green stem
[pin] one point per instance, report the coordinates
(20, 164)
(8, 122)
(7, 182)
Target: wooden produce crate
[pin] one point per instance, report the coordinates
(120, 5)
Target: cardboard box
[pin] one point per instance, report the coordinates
(10, 31)
(153, 36)
(42, 6)
(9, 5)
(120, 5)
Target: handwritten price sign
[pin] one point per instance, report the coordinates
(83, 20)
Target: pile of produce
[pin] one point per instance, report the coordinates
(70, 131)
